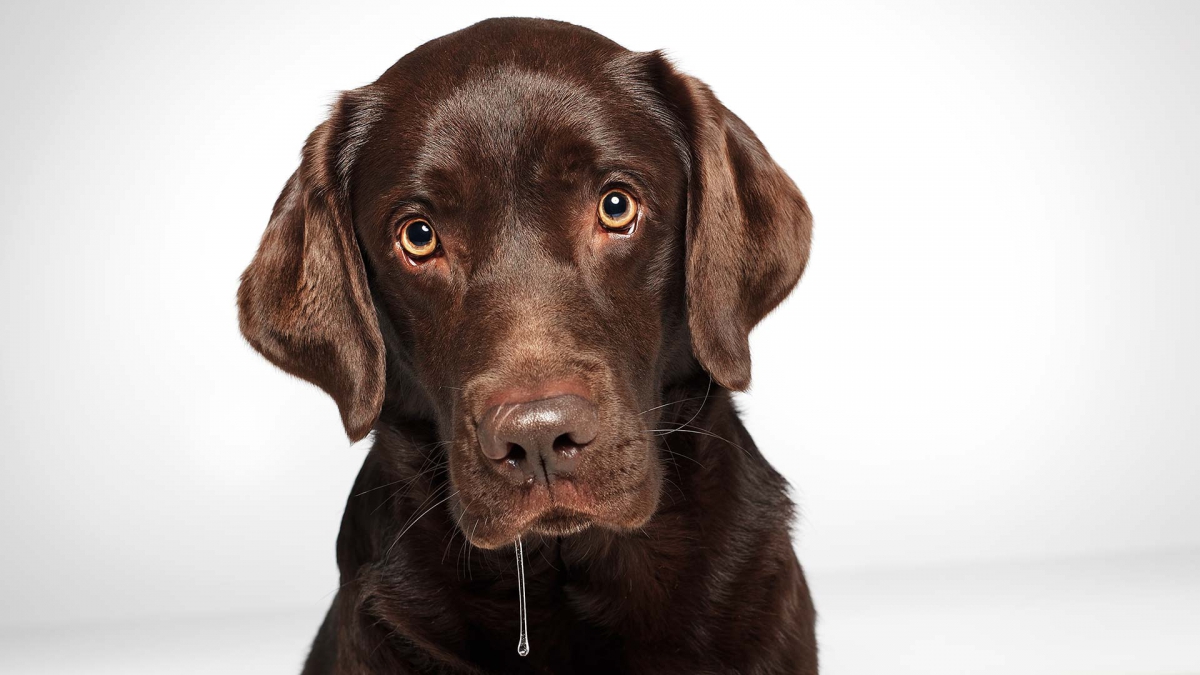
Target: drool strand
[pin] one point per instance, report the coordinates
(523, 639)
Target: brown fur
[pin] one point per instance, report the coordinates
(668, 549)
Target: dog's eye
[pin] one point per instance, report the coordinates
(417, 238)
(617, 209)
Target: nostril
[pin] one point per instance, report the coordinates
(541, 432)
(564, 443)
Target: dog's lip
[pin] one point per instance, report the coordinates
(565, 502)
(557, 521)
(550, 521)
(555, 517)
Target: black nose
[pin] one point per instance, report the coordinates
(537, 440)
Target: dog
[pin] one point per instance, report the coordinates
(528, 260)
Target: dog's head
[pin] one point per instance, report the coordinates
(516, 238)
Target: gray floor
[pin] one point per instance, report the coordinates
(1122, 615)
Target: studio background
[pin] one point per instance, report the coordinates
(984, 390)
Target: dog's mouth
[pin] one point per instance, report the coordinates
(562, 508)
(550, 511)
(559, 522)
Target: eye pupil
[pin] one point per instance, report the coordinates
(615, 205)
(420, 234)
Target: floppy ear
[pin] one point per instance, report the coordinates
(304, 303)
(748, 230)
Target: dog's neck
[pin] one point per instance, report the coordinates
(435, 596)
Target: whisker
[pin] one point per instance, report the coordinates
(706, 393)
(459, 570)
(410, 479)
(682, 400)
(380, 487)
(411, 484)
(425, 501)
(420, 471)
(410, 525)
(680, 454)
(454, 531)
(701, 432)
(452, 534)
(458, 529)
(668, 492)
(542, 552)
(470, 547)
(672, 454)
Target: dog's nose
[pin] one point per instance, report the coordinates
(540, 439)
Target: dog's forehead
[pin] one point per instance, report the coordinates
(503, 85)
(516, 126)
(461, 119)
(512, 125)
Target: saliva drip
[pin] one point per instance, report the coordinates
(523, 638)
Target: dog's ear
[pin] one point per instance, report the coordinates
(748, 230)
(304, 302)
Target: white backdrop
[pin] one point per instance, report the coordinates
(991, 357)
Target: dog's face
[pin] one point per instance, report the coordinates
(526, 229)
(516, 236)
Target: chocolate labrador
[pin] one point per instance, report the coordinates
(528, 260)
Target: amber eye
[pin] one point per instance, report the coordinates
(617, 210)
(417, 238)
